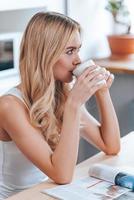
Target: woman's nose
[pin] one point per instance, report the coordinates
(77, 60)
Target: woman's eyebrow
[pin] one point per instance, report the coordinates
(74, 47)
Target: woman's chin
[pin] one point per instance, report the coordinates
(69, 79)
(66, 79)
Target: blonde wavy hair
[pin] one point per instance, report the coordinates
(43, 42)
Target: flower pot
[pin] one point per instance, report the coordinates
(121, 45)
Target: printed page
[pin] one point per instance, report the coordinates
(76, 190)
(86, 182)
(107, 189)
(126, 196)
(115, 175)
(109, 173)
(85, 189)
(127, 169)
(104, 172)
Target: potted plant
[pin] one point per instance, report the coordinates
(121, 41)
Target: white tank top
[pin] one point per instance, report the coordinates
(16, 171)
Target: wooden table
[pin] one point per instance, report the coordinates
(125, 66)
(125, 157)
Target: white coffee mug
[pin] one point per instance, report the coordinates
(83, 66)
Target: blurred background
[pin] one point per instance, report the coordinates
(104, 23)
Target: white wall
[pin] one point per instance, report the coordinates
(57, 5)
(95, 21)
(15, 14)
(130, 5)
(16, 20)
(91, 14)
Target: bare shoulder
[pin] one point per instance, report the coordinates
(5, 101)
(14, 117)
(11, 108)
(9, 102)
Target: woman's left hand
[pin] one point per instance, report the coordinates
(108, 77)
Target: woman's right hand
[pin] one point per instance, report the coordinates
(87, 84)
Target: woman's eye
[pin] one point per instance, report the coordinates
(70, 52)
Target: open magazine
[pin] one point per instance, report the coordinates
(103, 183)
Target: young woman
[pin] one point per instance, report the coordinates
(41, 119)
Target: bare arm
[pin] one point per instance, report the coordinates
(109, 124)
(65, 155)
(59, 164)
(104, 135)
